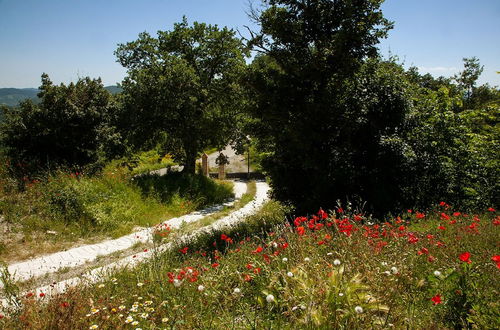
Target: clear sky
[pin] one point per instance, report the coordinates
(74, 38)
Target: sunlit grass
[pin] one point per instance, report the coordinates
(327, 271)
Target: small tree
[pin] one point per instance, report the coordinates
(467, 79)
(185, 84)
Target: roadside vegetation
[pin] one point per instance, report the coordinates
(63, 209)
(434, 270)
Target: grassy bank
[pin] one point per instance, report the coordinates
(64, 210)
(329, 271)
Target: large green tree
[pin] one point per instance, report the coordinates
(72, 126)
(328, 118)
(183, 84)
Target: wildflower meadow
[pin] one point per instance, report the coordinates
(338, 269)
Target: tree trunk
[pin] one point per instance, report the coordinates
(190, 164)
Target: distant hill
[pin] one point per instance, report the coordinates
(12, 96)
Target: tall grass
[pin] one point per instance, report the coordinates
(53, 213)
(326, 271)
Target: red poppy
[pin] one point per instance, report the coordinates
(247, 278)
(491, 209)
(257, 270)
(215, 265)
(64, 304)
(465, 257)
(419, 215)
(42, 294)
(497, 260)
(1, 316)
(423, 251)
(301, 230)
(184, 250)
(249, 266)
(258, 250)
(322, 214)
(436, 299)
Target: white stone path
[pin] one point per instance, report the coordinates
(78, 256)
(98, 274)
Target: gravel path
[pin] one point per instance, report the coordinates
(78, 256)
(98, 274)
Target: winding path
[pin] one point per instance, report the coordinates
(78, 256)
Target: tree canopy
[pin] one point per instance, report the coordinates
(71, 126)
(183, 84)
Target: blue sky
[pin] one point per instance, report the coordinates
(74, 38)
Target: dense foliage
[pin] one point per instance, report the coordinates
(72, 126)
(337, 122)
(183, 84)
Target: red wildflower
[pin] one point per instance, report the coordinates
(491, 209)
(64, 304)
(410, 211)
(322, 214)
(42, 294)
(442, 227)
(419, 215)
(301, 231)
(247, 278)
(445, 216)
(258, 250)
(358, 217)
(321, 242)
(423, 251)
(465, 257)
(436, 299)
(223, 237)
(412, 239)
(401, 228)
(340, 210)
(257, 270)
(249, 266)
(442, 204)
(456, 214)
(184, 250)
(431, 259)
(215, 265)
(29, 294)
(1, 316)
(497, 260)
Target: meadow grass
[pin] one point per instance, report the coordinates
(66, 210)
(326, 271)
